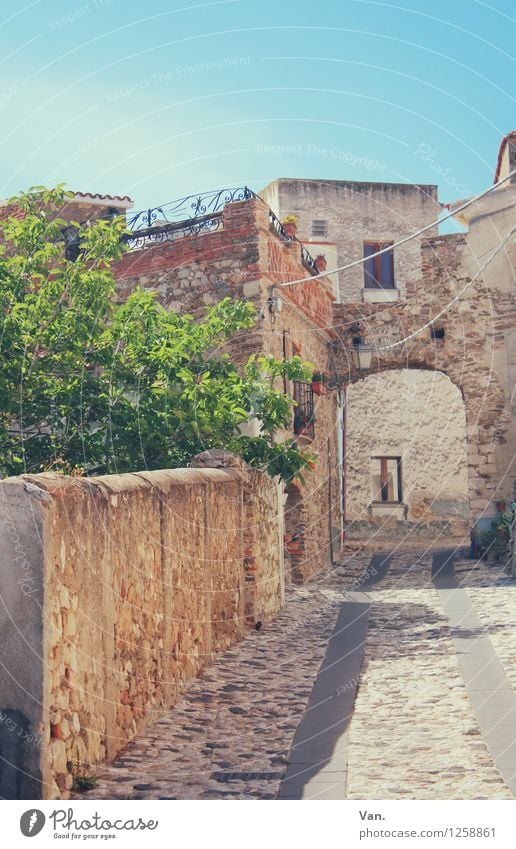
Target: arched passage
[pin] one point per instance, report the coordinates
(406, 452)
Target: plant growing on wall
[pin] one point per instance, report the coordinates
(86, 384)
(498, 540)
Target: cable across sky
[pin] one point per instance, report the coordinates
(403, 241)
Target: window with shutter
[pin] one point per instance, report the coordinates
(378, 270)
(386, 479)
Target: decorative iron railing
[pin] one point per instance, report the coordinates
(277, 227)
(304, 414)
(308, 261)
(189, 208)
(306, 258)
(195, 213)
(170, 232)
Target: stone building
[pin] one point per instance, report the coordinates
(420, 443)
(241, 250)
(430, 427)
(345, 220)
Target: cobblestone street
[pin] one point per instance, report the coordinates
(414, 732)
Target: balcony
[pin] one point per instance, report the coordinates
(304, 415)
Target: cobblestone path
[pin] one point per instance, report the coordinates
(413, 734)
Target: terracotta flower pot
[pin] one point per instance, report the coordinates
(318, 387)
(290, 229)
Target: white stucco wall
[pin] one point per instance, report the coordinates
(419, 416)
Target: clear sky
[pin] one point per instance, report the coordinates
(164, 99)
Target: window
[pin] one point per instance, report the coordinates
(319, 228)
(378, 270)
(386, 479)
(437, 332)
(304, 410)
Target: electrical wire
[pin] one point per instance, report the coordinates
(403, 241)
(453, 300)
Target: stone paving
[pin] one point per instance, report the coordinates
(413, 734)
(242, 713)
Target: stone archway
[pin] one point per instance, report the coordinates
(407, 453)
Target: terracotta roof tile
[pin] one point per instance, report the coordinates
(97, 196)
(503, 144)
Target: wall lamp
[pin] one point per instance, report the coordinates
(362, 354)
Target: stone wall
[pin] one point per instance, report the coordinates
(420, 417)
(195, 271)
(247, 258)
(118, 590)
(355, 212)
(475, 320)
(315, 516)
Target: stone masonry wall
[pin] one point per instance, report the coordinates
(356, 212)
(316, 515)
(137, 581)
(399, 413)
(194, 272)
(247, 259)
(464, 354)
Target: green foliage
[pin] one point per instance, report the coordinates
(84, 778)
(497, 540)
(86, 384)
(83, 783)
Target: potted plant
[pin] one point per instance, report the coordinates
(304, 423)
(321, 263)
(319, 380)
(289, 225)
(294, 544)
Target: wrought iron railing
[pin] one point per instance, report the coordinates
(304, 414)
(194, 213)
(277, 227)
(170, 232)
(308, 261)
(185, 217)
(306, 258)
(189, 208)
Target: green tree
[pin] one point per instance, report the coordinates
(87, 384)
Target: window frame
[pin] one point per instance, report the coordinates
(378, 284)
(316, 235)
(384, 479)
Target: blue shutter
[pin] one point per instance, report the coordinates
(370, 281)
(387, 270)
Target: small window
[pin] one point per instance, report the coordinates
(437, 332)
(386, 479)
(319, 228)
(378, 270)
(304, 418)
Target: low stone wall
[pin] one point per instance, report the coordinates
(116, 591)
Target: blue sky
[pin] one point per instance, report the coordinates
(166, 99)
